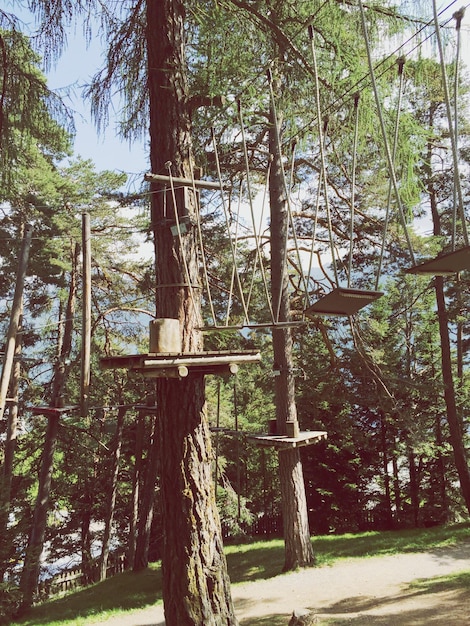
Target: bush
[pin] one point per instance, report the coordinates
(10, 600)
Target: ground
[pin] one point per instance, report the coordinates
(370, 591)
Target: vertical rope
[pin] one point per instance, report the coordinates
(322, 152)
(458, 15)
(252, 211)
(227, 223)
(286, 191)
(201, 245)
(401, 65)
(196, 309)
(455, 156)
(257, 234)
(353, 185)
(384, 133)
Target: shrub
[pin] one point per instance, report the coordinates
(10, 600)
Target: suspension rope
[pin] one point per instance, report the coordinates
(353, 184)
(287, 194)
(323, 174)
(201, 243)
(455, 156)
(227, 223)
(314, 236)
(401, 65)
(384, 133)
(235, 252)
(252, 211)
(458, 16)
(196, 310)
(257, 235)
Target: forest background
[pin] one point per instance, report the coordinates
(378, 383)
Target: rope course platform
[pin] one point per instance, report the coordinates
(445, 264)
(179, 365)
(304, 438)
(343, 301)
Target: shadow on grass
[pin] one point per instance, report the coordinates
(267, 620)
(127, 591)
(329, 548)
(442, 583)
(255, 561)
(450, 607)
(262, 560)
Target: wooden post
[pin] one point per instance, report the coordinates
(14, 318)
(86, 314)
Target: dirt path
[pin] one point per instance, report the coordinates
(355, 591)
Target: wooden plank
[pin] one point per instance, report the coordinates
(52, 411)
(343, 301)
(191, 360)
(445, 264)
(305, 438)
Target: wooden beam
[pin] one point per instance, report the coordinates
(185, 182)
(304, 438)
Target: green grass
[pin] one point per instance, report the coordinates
(442, 583)
(246, 562)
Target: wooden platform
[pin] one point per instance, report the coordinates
(179, 365)
(343, 301)
(52, 411)
(305, 438)
(444, 265)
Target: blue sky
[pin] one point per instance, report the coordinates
(74, 69)
(71, 72)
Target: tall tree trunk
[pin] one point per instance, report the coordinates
(86, 514)
(414, 485)
(32, 562)
(196, 587)
(6, 475)
(396, 489)
(147, 503)
(136, 478)
(453, 418)
(298, 547)
(112, 493)
(441, 473)
(386, 475)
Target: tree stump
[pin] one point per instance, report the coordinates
(302, 617)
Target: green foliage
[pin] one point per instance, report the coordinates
(10, 599)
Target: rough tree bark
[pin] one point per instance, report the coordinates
(453, 418)
(196, 588)
(136, 476)
(111, 503)
(32, 562)
(298, 547)
(147, 502)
